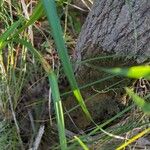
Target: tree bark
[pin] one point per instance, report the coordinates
(121, 28)
(114, 26)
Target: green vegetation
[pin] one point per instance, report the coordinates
(24, 47)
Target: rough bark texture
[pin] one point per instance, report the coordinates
(116, 26)
(120, 27)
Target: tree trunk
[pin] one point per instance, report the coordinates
(121, 28)
(118, 27)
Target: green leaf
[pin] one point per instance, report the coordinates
(50, 9)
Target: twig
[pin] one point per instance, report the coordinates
(38, 138)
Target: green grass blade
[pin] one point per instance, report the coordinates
(55, 92)
(81, 143)
(132, 72)
(37, 13)
(50, 9)
(140, 102)
(8, 32)
(58, 109)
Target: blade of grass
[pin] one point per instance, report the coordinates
(132, 72)
(95, 58)
(50, 9)
(81, 143)
(55, 92)
(140, 102)
(38, 12)
(8, 32)
(133, 139)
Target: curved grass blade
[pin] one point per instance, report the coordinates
(8, 32)
(55, 92)
(37, 13)
(111, 120)
(50, 9)
(81, 143)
